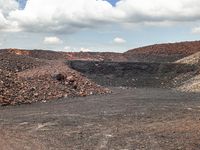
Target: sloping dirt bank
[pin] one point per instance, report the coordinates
(133, 74)
(192, 82)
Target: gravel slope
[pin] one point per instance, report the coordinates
(24, 79)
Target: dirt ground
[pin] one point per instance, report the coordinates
(127, 119)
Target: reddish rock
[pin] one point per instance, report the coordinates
(40, 80)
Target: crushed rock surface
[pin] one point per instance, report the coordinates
(24, 79)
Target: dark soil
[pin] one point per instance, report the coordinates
(134, 74)
(144, 119)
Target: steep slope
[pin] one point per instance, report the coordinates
(132, 74)
(193, 59)
(190, 82)
(191, 85)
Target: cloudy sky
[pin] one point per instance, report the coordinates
(97, 25)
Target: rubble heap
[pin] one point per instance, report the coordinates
(16, 63)
(26, 80)
(9, 84)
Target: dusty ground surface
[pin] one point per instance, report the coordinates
(128, 119)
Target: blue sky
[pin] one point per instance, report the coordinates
(23, 2)
(47, 24)
(113, 2)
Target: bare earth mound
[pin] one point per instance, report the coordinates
(16, 62)
(24, 79)
(191, 85)
(193, 59)
(191, 80)
(169, 52)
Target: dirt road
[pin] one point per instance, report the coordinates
(128, 119)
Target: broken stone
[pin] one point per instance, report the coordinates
(35, 80)
(71, 79)
(59, 77)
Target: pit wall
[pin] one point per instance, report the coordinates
(132, 74)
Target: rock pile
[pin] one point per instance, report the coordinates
(191, 85)
(16, 63)
(193, 59)
(190, 82)
(25, 79)
(9, 83)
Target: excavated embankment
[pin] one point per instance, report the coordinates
(133, 74)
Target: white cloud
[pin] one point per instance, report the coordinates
(158, 10)
(52, 40)
(2, 21)
(67, 48)
(196, 30)
(62, 15)
(6, 6)
(77, 49)
(68, 16)
(119, 40)
(85, 49)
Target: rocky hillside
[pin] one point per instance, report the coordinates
(25, 79)
(96, 56)
(193, 59)
(37, 75)
(163, 52)
(169, 52)
(190, 82)
(53, 55)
